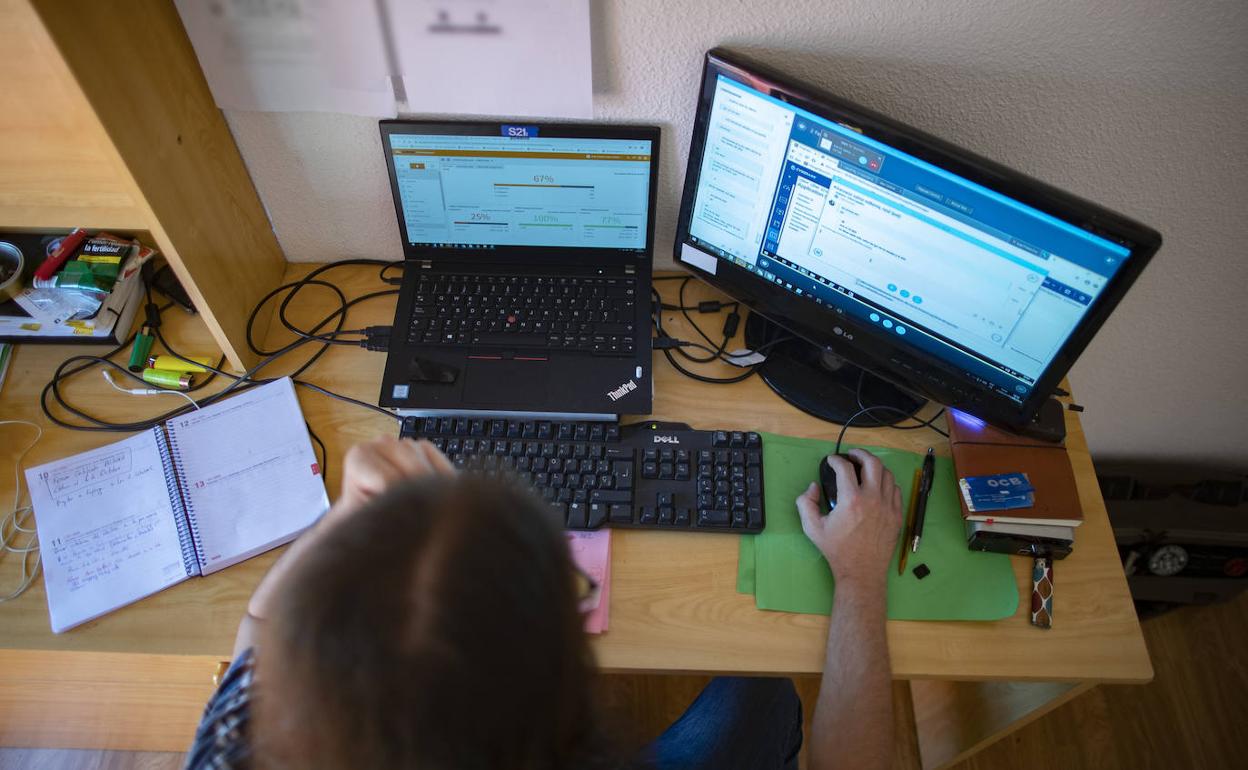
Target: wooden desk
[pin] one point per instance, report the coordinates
(674, 606)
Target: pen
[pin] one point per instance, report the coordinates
(909, 533)
(925, 488)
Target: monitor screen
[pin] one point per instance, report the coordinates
(941, 264)
(469, 191)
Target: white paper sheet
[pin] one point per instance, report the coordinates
(517, 58)
(292, 55)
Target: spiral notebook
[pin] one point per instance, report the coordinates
(204, 491)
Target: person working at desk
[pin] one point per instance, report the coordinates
(429, 620)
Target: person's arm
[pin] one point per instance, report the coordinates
(853, 722)
(368, 469)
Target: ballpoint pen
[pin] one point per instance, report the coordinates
(908, 535)
(925, 488)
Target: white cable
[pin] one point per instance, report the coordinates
(11, 524)
(147, 391)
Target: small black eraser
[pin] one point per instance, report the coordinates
(921, 571)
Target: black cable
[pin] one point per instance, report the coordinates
(324, 461)
(657, 319)
(71, 367)
(928, 423)
(381, 274)
(680, 298)
(841, 436)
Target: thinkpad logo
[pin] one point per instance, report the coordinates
(658, 439)
(622, 391)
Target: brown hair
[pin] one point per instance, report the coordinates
(436, 627)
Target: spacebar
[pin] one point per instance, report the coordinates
(510, 339)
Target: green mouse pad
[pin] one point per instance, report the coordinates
(785, 571)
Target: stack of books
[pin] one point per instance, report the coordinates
(1018, 494)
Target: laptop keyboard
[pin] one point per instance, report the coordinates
(580, 313)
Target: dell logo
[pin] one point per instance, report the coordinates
(666, 439)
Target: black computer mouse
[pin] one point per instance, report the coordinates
(827, 478)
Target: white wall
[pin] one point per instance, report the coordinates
(1141, 105)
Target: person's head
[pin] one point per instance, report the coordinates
(436, 627)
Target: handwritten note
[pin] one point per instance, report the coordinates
(107, 527)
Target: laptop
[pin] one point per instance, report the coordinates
(528, 252)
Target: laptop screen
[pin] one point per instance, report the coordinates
(487, 191)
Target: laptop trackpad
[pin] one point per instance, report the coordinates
(506, 381)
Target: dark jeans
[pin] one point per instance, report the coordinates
(736, 722)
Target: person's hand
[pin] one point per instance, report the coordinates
(373, 466)
(858, 537)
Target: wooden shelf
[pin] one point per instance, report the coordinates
(109, 124)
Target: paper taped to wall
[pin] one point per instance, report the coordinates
(515, 58)
(499, 57)
(292, 55)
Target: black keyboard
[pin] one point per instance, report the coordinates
(587, 313)
(651, 475)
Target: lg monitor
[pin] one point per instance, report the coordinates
(904, 267)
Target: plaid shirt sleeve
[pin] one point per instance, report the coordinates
(222, 741)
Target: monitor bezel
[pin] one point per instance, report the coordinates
(554, 255)
(874, 348)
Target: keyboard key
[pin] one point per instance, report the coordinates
(754, 515)
(611, 496)
(597, 515)
(713, 518)
(621, 514)
(578, 515)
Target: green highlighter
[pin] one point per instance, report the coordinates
(143, 340)
(142, 346)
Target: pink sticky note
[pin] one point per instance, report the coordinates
(591, 551)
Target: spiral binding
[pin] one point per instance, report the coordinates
(175, 481)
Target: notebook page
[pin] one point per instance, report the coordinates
(249, 477)
(106, 529)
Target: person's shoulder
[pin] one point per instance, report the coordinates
(222, 738)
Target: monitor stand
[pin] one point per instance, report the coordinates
(823, 384)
